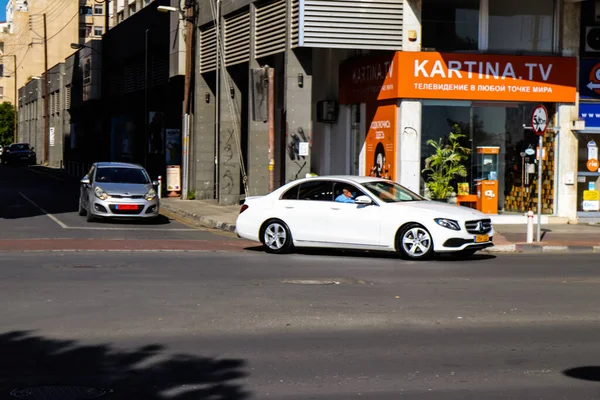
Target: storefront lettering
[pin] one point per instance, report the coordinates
(374, 72)
(483, 70)
(380, 124)
(448, 87)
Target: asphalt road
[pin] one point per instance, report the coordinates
(35, 206)
(228, 322)
(247, 325)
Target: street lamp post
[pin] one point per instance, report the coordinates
(189, 17)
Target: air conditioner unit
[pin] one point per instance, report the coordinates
(592, 39)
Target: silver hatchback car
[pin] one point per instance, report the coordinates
(118, 190)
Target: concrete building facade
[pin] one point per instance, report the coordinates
(326, 118)
(21, 43)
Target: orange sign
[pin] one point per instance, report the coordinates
(593, 165)
(459, 76)
(380, 142)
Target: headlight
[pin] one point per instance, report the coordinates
(150, 195)
(447, 223)
(100, 193)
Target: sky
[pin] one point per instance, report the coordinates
(3, 10)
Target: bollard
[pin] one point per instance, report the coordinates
(530, 226)
(160, 186)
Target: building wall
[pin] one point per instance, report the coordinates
(63, 21)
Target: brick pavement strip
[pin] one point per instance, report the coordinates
(20, 245)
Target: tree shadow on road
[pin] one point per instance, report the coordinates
(587, 373)
(65, 367)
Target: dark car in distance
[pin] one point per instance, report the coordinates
(19, 154)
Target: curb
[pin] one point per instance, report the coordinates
(199, 219)
(537, 249)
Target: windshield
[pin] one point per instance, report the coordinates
(121, 175)
(391, 192)
(18, 147)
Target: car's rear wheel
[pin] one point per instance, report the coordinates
(276, 237)
(414, 242)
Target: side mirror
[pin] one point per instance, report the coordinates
(363, 200)
(33, 148)
(154, 183)
(85, 180)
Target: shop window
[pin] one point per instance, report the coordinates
(487, 125)
(521, 25)
(450, 24)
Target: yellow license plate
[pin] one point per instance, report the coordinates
(482, 238)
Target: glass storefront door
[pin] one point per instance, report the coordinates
(495, 125)
(588, 177)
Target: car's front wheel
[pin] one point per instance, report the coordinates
(414, 242)
(82, 211)
(276, 237)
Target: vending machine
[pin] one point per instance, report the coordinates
(486, 178)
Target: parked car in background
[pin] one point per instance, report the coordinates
(118, 190)
(19, 154)
(362, 213)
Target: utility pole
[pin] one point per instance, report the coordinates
(106, 16)
(46, 96)
(16, 101)
(189, 39)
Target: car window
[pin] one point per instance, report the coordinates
(391, 192)
(316, 190)
(338, 189)
(19, 147)
(291, 194)
(121, 175)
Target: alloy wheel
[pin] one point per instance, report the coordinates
(416, 242)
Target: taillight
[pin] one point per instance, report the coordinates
(244, 208)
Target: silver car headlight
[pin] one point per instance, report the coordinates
(448, 223)
(150, 195)
(101, 194)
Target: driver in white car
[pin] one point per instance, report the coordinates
(345, 197)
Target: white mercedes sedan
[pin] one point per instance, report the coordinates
(362, 213)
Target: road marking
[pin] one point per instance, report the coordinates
(52, 217)
(99, 228)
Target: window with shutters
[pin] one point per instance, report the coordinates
(270, 28)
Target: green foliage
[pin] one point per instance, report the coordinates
(7, 122)
(445, 164)
(192, 195)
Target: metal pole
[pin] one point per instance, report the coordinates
(189, 32)
(106, 16)
(146, 80)
(271, 73)
(16, 130)
(539, 187)
(218, 99)
(46, 97)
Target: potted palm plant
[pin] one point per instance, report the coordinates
(445, 165)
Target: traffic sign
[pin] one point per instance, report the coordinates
(539, 120)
